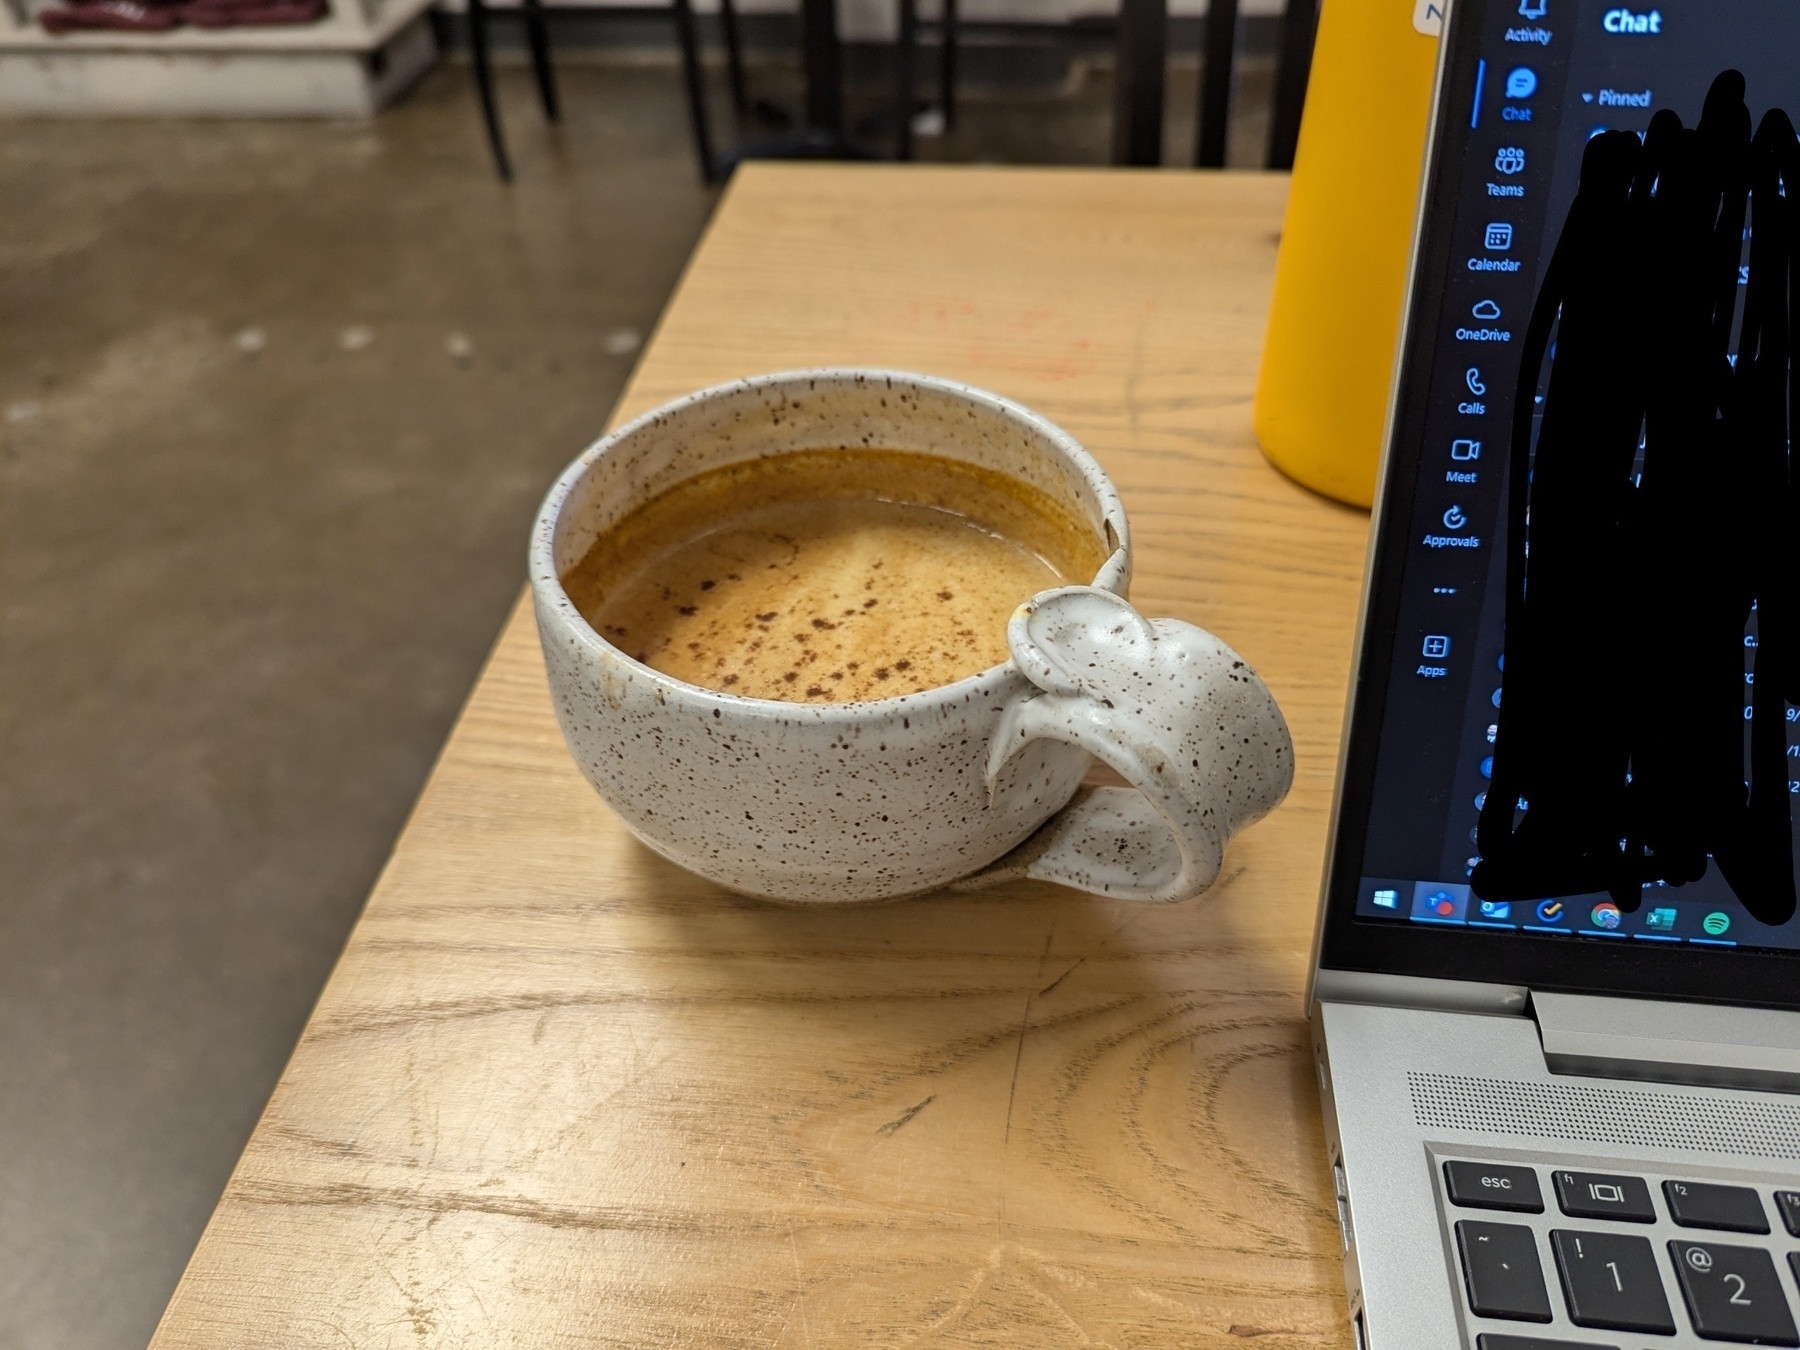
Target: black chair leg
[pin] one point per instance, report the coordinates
(1215, 83)
(947, 65)
(537, 34)
(905, 100)
(734, 57)
(484, 86)
(1299, 23)
(696, 87)
(1138, 98)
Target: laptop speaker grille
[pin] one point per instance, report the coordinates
(1599, 1115)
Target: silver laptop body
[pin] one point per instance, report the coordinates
(1566, 1122)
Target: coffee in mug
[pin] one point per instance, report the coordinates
(828, 576)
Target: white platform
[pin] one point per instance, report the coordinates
(348, 64)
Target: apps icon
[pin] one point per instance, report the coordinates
(1485, 309)
(1498, 238)
(1440, 902)
(1660, 920)
(1521, 82)
(1716, 924)
(1605, 915)
(1551, 911)
(1387, 898)
(1437, 646)
(1465, 450)
(1509, 159)
(1500, 911)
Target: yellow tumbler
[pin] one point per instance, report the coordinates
(1321, 398)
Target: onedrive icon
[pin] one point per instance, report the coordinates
(1486, 309)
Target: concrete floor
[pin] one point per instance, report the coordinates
(277, 403)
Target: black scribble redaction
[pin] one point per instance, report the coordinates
(1651, 533)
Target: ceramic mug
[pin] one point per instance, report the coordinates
(967, 782)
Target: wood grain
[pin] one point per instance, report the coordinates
(560, 1093)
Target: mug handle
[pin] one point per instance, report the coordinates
(1176, 712)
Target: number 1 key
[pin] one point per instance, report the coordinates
(1610, 1280)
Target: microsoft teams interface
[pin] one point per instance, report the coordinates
(1551, 73)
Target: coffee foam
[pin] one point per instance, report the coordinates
(829, 576)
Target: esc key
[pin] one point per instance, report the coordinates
(1475, 1185)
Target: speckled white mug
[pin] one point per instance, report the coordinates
(969, 782)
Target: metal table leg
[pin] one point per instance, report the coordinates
(537, 34)
(1138, 102)
(1215, 83)
(481, 63)
(1299, 22)
(947, 64)
(693, 78)
(905, 100)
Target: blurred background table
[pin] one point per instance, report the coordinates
(559, 1092)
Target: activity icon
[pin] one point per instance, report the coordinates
(1533, 9)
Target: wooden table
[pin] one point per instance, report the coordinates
(560, 1093)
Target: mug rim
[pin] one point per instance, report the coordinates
(546, 582)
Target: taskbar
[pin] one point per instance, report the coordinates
(1662, 916)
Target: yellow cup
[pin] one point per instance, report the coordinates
(1321, 398)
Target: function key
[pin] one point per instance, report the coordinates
(1600, 1195)
(1500, 1265)
(1788, 1202)
(1611, 1281)
(1695, 1204)
(1475, 1185)
(1732, 1293)
(1493, 1342)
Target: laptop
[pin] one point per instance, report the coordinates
(1556, 992)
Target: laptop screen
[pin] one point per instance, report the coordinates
(1595, 802)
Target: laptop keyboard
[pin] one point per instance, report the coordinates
(1563, 1259)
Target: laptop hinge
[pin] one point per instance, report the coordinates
(1416, 991)
(1699, 1043)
